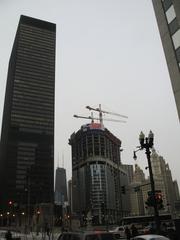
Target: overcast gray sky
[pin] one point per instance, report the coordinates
(108, 52)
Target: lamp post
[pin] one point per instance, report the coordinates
(147, 143)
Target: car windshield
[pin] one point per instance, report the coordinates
(113, 228)
(120, 229)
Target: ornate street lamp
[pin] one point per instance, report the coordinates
(147, 143)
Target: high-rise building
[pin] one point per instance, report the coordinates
(168, 19)
(163, 180)
(97, 175)
(140, 187)
(27, 137)
(60, 186)
(135, 190)
(70, 200)
(176, 190)
(129, 169)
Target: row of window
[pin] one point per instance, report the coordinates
(42, 64)
(38, 37)
(28, 129)
(33, 118)
(27, 104)
(40, 83)
(31, 111)
(28, 95)
(30, 68)
(33, 73)
(26, 112)
(35, 63)
(35, 56)
(32, 122)
(44, 50)
(42, 43)
(31, 100)
(38, 31)
(26, 89)
(38, 58)
(33, 127)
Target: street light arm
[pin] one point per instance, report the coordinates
(134, 153)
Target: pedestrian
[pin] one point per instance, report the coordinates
(134, 231)
(128, 233)
(164, 229)
(8, 235)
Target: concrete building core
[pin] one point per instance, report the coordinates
(97, 175)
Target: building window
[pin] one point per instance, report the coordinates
(176, 39)
(173, 26)
(178, 54)
(167, 4)
(170, 14)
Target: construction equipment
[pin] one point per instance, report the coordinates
(101, 119)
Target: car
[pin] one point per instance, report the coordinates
(15, 235)
(150, 237)
(118, 231)
(88, 235)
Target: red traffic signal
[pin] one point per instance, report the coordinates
(10, 202)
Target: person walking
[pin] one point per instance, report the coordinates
(8, 235)
(134, 231)
(128, 233)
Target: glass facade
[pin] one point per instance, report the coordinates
(27, 140)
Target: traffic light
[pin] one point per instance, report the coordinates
(10, 203)
(159, 200)
(150, 202)
(123, 189)
(137, 188)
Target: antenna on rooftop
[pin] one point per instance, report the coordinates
(63, 160)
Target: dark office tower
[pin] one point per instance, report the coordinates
(97, 175)
(27, 137)
(60, 186)
(168, 19)
(70, 200)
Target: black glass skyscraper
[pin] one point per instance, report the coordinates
(60, 186)
(27, 137)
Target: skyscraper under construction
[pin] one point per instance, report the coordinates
(27, 138)
(97, 175)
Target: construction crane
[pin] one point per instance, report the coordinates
(100, 115)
